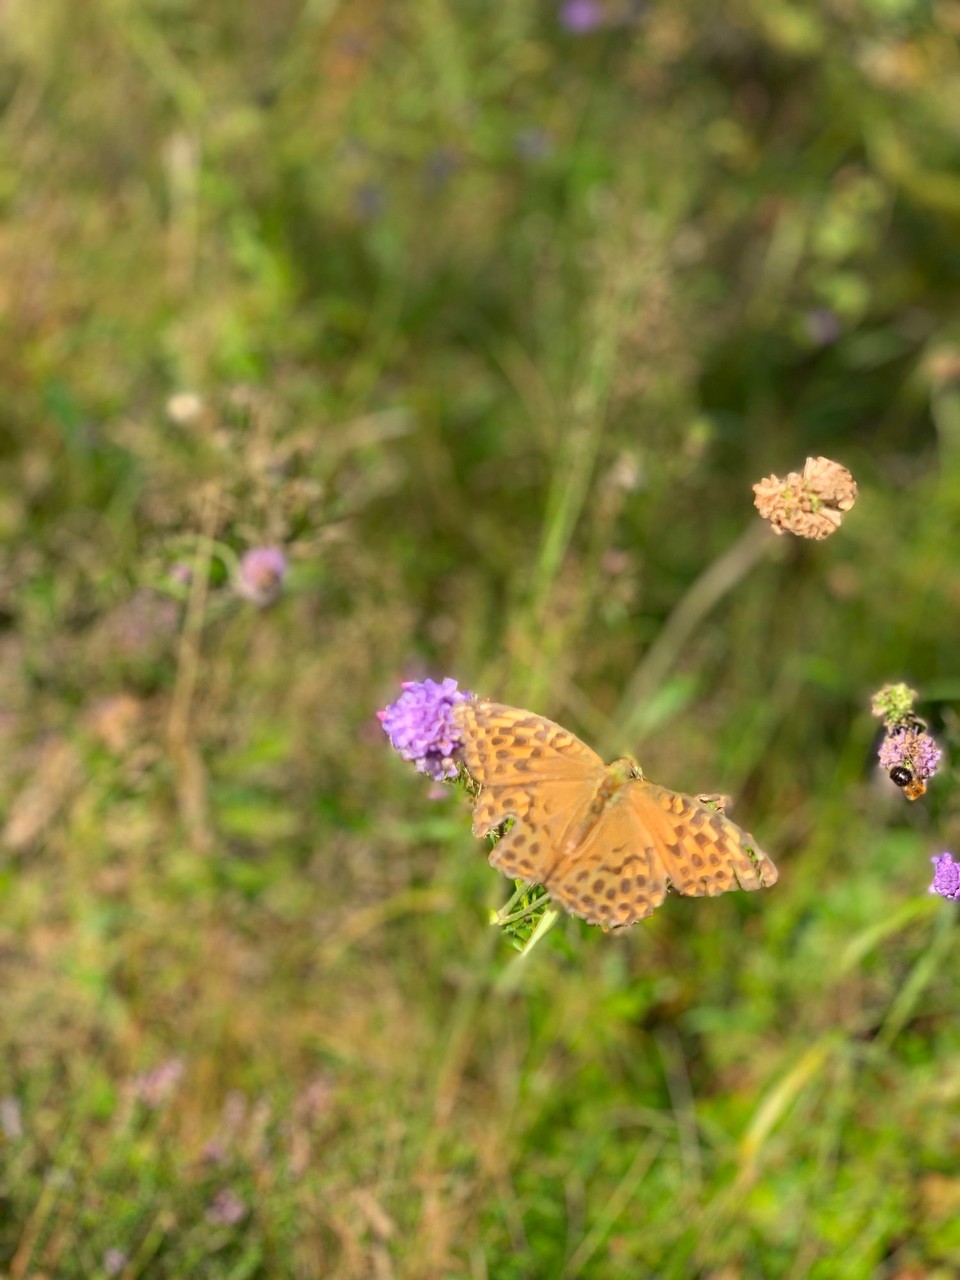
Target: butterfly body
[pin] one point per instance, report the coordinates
(603, 840)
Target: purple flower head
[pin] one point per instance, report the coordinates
(946, 877)
(114, 1261)
(581, 16)
(420, 725)
(153, 1088)
(533, 143)
(822, 326)
(181, 573)
(261, 574)
(913, 749)
(226, 1209)
(369, 201)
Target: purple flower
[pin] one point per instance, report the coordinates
(140, 628)
(226, 1209)
(261, 574)
(913, 749)
(946, 877)
(114, 1261)
(581, 16)
(153, 1088)
(439, 168)
(533, 143)
(181, 573)
(420, 726)
(369, 201)
(822, 326)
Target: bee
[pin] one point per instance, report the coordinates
(914, 723)
(913, 788)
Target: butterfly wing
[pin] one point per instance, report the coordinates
(613, 876)
(529, 769)
(701, 851)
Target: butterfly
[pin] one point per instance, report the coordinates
(604, 841)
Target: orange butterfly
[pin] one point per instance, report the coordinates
(601, 839)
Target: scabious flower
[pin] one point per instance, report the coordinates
(822, 326)
(153, 1088)
(910, 749)
(581, 16)
(908, 753)
(181, 574)
(226, 1208)
(114, 1261)
(532, 143)
(420, 725)
(139, 630)
(261, 574)
(946, 877)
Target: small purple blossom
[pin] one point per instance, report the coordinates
(226, 1209)
(141, 627)
(913, 749)
(261, 574)
(533, 143)
(181, 573)
(439, 167)
(369, 201)
(213, 1152)
(946, 877)
(153, 1088)
(114, 1261)
(581, 16)
(822, 326)
(420, 725)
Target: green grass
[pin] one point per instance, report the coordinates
(494, 327)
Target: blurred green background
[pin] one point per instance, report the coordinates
(489, 315)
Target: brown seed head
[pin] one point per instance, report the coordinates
(810, 503)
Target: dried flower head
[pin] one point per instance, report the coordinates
(261, 574)
(184, 407)
(810, 503)
(946, 877)
(420, 726)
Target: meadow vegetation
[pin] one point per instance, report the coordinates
(488, 316)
